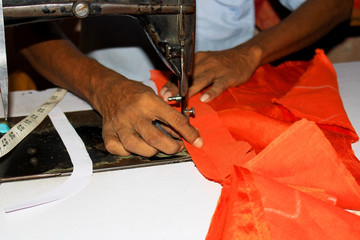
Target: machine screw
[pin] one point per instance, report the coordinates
(190, 112)
(81, 9)
(175, 98)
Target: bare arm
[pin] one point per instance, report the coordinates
(311, 21)
(128, 108)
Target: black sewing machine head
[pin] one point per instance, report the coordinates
(169, 24)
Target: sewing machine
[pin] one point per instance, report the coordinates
(169, 25)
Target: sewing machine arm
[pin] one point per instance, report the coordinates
(169, 25)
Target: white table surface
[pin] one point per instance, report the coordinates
(162, 202)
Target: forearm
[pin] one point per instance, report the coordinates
(61, 62)
(56, 62)
(128, 108)
(307, 24)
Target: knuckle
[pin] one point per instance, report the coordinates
(179, 120)
(215, 91)
(112, 146)
(134, 144)
(160, 141)
(129, 143)
(221, 88)
(147, 95)
(152, 139)
(138, 103)
(147, 101)
(109, 146)
(221, 85)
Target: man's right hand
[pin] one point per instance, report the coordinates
(129, 110)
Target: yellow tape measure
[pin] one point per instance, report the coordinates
(20, 130)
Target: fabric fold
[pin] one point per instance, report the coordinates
(303, 156)
(310, 97)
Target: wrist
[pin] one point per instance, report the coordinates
(254, 53)
(97, 82)
(101, 87)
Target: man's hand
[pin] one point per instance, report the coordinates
(129, 110)
(229, 68)
(220, 70)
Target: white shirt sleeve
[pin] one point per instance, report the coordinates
(223, 24)
(291, 4)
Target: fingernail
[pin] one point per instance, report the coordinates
(163, 90)
(204, 98)
(198, 142)
(167, 95)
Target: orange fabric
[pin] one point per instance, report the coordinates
(296, 165)
(239, 214)
(355, 16)
(280, 145)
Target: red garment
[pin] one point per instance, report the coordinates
(265, 16)
(280, 145)
(355, 16)
(356, 4)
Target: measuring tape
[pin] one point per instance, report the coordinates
(20, 130)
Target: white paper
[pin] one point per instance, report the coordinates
(82, 165)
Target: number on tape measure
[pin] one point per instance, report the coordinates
(20, 130)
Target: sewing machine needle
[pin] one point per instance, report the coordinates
(4, 81)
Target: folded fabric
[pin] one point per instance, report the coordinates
(280, 145)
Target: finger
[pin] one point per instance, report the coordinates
(170, 89)
(132, 142)
(163, 90)
(154, 137)
(125, 141)
(201, 81)
(218, 87)
(112, 143)
(181, 125)
(204, 75)
(169, 130)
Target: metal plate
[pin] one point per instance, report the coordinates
(42, 153)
